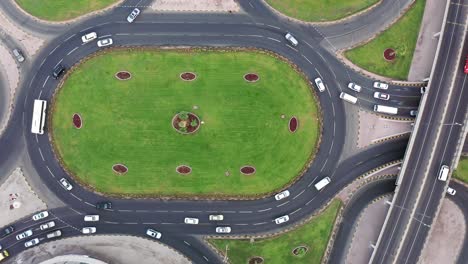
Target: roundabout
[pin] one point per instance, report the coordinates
(229, 123)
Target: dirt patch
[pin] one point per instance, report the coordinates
(293, 124)
(123, 75)
(247, 170)
(183, 169)
(389, 54)
(251, 77)
(77, 121)
(256, 260)
(120, 169)
(188, 76)
(300, 251)
(186, 123)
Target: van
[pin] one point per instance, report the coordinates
(348, 98)
(386, 109)
(322, 183)
(291, 39)
(443, 173)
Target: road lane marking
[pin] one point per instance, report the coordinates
(124, 210)
(245, 212)
(42, 156)
(130, 223)
(45, 81)
(60, 61)
(167, 223)
(187, 243)
(69, 37)
(89, 204)
(54, 49)
(292, 48)
(261, 223)
(78, 198)
(309, 201)
(86, 29)
(109, 222)
(264, 210)
(241, 224)
(282, 204)
(105, 36)
(274, 39)
(149, 223)
(295, 211)
(307, 59)
(71, 51)
(272, 26)
(40, 93)
(299, 194)
(142, 211)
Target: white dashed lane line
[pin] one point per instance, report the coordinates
(187, 243)
(78, 198)
(295, 211)
(274, 39)
(71, 51)
(282, 204)
(69, 37)
(60, 61)
(264, 210)
(45, 81)
(261, 223)
(42, 156)
(299, 194)
(109, 222)
(245, 212)
(92, 205)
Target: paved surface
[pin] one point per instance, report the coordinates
(366, 231)
(108, 249)
(426, 45)
(194, 6)
(432, 144)
(256, 28)
(447, 236)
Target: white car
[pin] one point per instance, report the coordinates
(89, 37)
(153, 233)
(104, 42)
(18, 55)
(191, 221)
(291, 39)
(381, 96)
(40, 215)
(320, 85)
(216, 217)
(54, 234)
(47, 225)
(133, 15)
(32, 242)
(88, 230)
(66, 184)
(354, 87)
(282, 219)
(223, 229)
(25, 234)
(451, 191)
(91, 218)
(380, 85)
(282, 195)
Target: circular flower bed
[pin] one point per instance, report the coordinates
(183, 169)
(186, 122)
(247, 170)
(123, 75)
(256, 260)
(120, 169)
(389, 54)
(77, 121)
(293, 124)
(300, 251)
(251, 77)
(188, 76)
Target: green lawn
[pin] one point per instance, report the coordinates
(401, 37)
(314, 235)
(129, 122)
(57, 10)
(462, 171)
(320, 10)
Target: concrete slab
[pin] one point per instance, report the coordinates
(16, 189)
(195, 6)
(447, 236)
(110, 249)
(374, 128)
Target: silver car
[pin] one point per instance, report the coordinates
(381, 96)
(40, 215)
(282, 195)
(354, 87)
(47, 225)
(282, 219)
(66, 184)
(291, 39)
(104, 42)
(25, 234)
(133, 15)
(18, 55)
(153, 233)
(32, 242)
(223, 229)
(380, 85)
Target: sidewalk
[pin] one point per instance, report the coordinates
(426, 46)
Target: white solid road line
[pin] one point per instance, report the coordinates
(45, 81)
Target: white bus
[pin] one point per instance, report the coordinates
(386, 109)
(39, 116)
(348, 97)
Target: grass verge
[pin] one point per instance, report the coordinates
(401, 37)
(129, 122)
(59, 10)
(314, 235)
(320, 10)
(462, 171)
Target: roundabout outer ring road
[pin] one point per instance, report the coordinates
(245, 217)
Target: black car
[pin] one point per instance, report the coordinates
(7, 231)
(58, 70)
(103, 205)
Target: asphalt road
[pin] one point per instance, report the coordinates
(419, 194)
(258, 28)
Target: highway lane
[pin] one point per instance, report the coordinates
(309, 57)
(418, 196)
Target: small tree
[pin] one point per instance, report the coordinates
(194, 123)
(183, 115)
